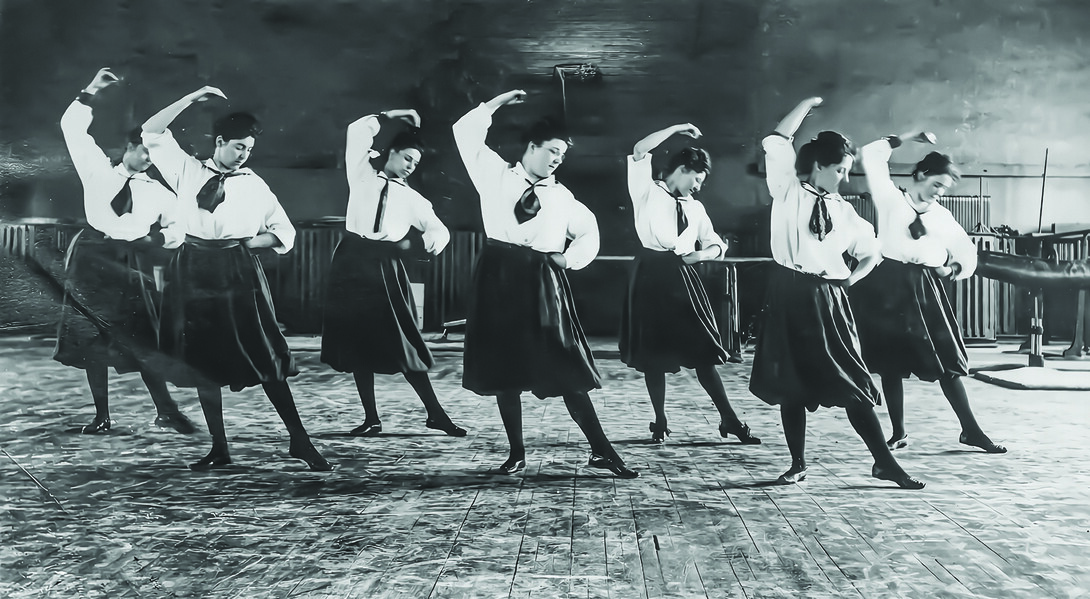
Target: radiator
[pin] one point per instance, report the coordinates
(985, 307)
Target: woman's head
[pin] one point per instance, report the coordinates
(546, 143)
(932, 178)
(826, 160)
(403, 155)
(235, 135)
(687, 170)
(136, 158)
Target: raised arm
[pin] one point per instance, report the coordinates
(790, 124)
(165, 152)
(780, 175)
(159, 122)
(649, 143)
(515, 96)
(875, 158)
(361, 137)
(470, 133)
(75, 122)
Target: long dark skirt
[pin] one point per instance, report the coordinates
(808, 348)
(218, 323)
(369, 324)
(522, 330)
(907, 324)
(109, 313)
(667, 321)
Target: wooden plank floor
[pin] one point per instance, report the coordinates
(415, 514)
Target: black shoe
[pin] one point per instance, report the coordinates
(213, 460)
(98, 425)
(982, 442)
(179, 422)
(792, 476)
(615, 466)
(446, 426)
(304, 450)
(902, 479)
(743, 433)
(658, 433)
(367, 429)
(511, 466)
(895, 444)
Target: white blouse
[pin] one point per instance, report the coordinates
(249, 207)
(405, 207)
(102, 181)
(793, 245)
(655, 212)
(945, 241)
(501, 185)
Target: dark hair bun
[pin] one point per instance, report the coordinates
(693, 159)
(934, 164)
(829, 147)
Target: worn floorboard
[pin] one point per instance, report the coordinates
(413, 513)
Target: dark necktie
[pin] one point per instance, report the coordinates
(916, 228)
(528, 205)
(381, 211)
(820, 223)
(122, 202)
(682, 222)
(211, 194)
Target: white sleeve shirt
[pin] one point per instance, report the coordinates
(501, 185)
(945, 242)
(102, 181)
(655, 213)
(249, 207)
(405, 207)
(793, 244)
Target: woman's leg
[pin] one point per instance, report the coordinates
(971, 433)
(437, 416)
(510, 405)
(893, 389)
(365, 386)
(866, 425)
(728, 421)
(211, 399)
(793, 418)
(98, 380)
(656, 390)
(280, 396)
(167, 414)
(603, 455)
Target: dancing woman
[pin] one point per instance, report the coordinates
(218, 320)
(522, 331)
(667, 321)
(808, 352)
(369, 324)
(110, 312)
(907, 325)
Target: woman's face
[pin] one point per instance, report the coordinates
(928, 190)
(402, 163)
(828, 178)
(685, 182)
